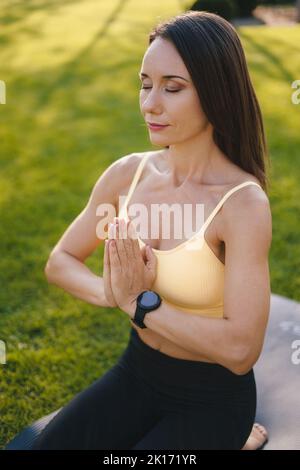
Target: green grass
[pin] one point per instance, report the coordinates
(70, 69)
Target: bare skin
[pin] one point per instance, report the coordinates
(155, 186)
(193, 168)
(257, 437)
(206, 166)
(66, 267)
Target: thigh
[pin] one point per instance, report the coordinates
(192, 430)
(112, 413)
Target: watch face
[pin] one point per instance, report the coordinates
(148, 299)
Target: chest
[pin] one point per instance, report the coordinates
(165, 219)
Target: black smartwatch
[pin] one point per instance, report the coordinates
(147, 301)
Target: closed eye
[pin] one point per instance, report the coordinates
(149, 87)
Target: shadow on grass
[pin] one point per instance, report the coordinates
(16, 11)
(268, 56)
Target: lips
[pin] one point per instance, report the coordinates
(157, 126)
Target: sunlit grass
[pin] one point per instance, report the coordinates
(70, 69)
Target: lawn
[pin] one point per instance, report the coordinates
(70, 69)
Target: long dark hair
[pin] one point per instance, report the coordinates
(213, 54)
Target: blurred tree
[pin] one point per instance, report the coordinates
(245, 7)
(225, 8)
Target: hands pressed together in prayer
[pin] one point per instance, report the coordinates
(127, 270)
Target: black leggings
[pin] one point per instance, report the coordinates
(150, 400)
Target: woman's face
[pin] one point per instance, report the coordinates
(173, 101)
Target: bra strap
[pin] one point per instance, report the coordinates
(133, 183)
(226, 196)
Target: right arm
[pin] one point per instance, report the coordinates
(65, 266)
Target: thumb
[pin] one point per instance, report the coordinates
(144, 253)
(151, 261)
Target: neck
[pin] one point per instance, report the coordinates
(196, 160)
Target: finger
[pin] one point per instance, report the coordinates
(144, 253)
(121, 248)
(111, 231)
(151, 262)
(122, 229)
(134, 242)
(107, 276)
(106, 258)
(113, 255)
(106, 263)
(127, 241)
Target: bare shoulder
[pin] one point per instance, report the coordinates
(123, 167)
(116, 178)
(247, 213)
(128, 165)
(250, 193)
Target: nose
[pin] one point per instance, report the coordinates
(151, 103)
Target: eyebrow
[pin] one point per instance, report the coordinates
(164, 76)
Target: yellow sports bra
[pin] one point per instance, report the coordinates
(190, 276)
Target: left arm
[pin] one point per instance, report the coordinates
(236, 340)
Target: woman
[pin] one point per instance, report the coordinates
(185, 380)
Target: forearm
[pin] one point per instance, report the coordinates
(76, 278)
(214, 338)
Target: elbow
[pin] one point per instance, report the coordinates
(241, 360)
(47, 271)
(242, 368)
(50, 268)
